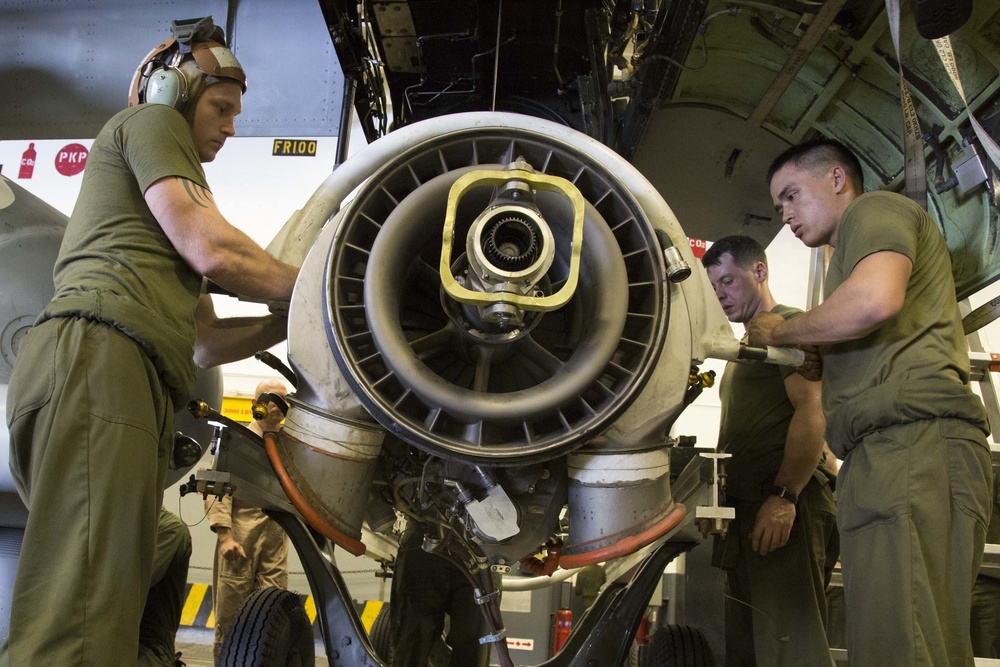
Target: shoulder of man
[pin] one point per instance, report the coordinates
(153, 115)
(786, 311)
(881, 203)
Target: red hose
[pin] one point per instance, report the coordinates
(314, 518)
(627, 545)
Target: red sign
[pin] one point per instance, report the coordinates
(71, 159)
(28, 162)
(698, 247)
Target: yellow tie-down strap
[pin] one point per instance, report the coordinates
(495, 177)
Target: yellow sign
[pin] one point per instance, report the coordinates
(237, 408)
(294, 147)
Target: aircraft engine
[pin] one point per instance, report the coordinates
(489, 330)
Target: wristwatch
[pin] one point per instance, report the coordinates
(783, 492)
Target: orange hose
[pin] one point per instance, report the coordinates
(627, 545)
(314, 518)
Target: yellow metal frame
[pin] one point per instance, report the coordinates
(494, 177)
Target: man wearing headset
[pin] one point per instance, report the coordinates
(252, 550)
(98, 379)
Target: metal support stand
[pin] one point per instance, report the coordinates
(713, 519)
(343, 633)
(605, 633)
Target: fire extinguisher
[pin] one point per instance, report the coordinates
(28, 162)
(563, 626)
(642, 632)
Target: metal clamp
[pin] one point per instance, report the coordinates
(490, 639)
(487, 598)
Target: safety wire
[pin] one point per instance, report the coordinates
(496, 57)
(770, 621)
(180, 513)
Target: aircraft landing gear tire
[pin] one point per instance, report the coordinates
(271, 629)
(381, 635)
(381, 639)
(678, 646)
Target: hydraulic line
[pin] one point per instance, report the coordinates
(313, 517)
(475, 567)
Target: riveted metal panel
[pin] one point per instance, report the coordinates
(66, 65)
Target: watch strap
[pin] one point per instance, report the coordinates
(786, 493)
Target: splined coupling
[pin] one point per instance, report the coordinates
(511, 243)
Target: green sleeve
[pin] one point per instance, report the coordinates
(876, 224)
(157, 143)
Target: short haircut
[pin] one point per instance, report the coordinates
(821, 154)
(745, 251)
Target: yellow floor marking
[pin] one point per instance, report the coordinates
(193, 604)
(311, 608)
(370, 613)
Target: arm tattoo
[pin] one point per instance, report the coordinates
(199, 195)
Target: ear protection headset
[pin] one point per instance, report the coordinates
(167, 85)
(172, 72)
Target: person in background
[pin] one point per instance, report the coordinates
(914, 491)
(251, 550)
(781, 548)
(589, 581)
(161, 617)
(96, 381)
(425, 589)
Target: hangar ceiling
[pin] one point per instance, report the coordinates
(701, 94)
(847, 88)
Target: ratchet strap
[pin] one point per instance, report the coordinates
(915, 168)
(943, 46)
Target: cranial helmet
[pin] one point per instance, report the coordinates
(176, 71)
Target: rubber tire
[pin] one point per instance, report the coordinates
(678, 646)
(633, 655)
(382, 641)
(381, 635)
(271, 629)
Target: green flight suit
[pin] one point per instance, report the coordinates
(91, 401)
(425, 588)
(913, 494)
(775, 607)
(162, 615)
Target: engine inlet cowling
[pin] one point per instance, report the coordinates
(565, 258)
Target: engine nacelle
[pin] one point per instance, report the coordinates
(495, 295)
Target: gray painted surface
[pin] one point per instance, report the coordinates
(65, 66)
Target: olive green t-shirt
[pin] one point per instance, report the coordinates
(754, 423)
(916, 365)
(116, 265)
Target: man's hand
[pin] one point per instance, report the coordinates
(774, 525)
(812, 368)
(760, 332)
(231, 549)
